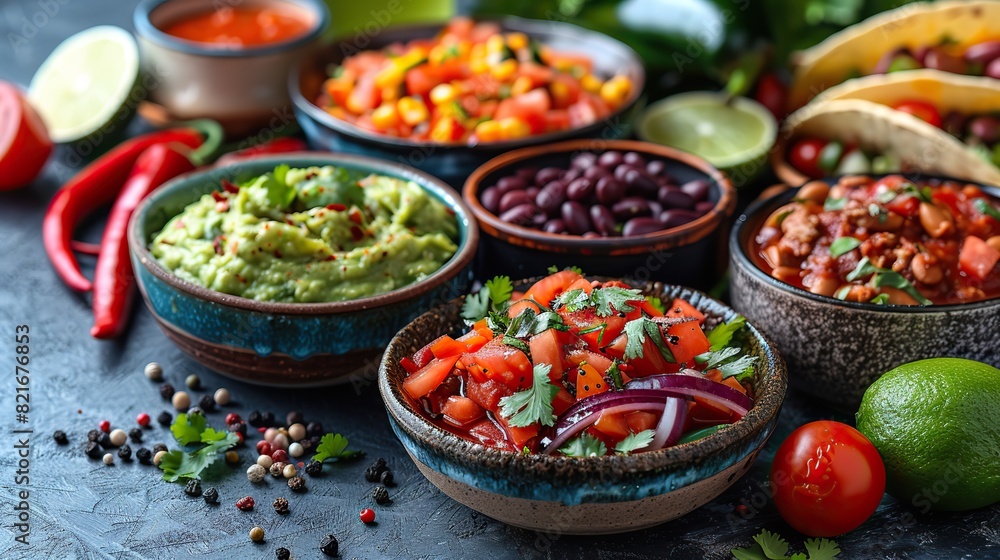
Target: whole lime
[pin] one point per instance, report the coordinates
(935, 424)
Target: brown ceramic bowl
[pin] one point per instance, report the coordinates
(592, 495)
(692, 254)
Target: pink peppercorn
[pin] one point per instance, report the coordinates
(142, 419)
(279, 456)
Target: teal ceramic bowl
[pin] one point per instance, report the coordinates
(593, 495)
(287, 344)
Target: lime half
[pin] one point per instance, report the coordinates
(85, 82)
(733, 134)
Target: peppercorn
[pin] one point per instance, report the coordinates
(158, 456)
(104, 426)
(276, 468)
(280, 456)
(297, 484)
(153, 371)
(221, 396)
(93, 450)
(372, 474)
(125, 453)
(265, 461)
(192, 381)
(294, 417)
(380, 495)
(282, 553)
(270, 434)
(280, 441)
(314, 468)
(109, 459)
(329, 545)
(167, 391)
(142, 419)
(232, 457)
(233, 418)
(314, 429)
(60, 437)
(207, 402)
(268, 419)
(193, 488)
(105, 441)
(295, 450)
(118, 437)
(367, 515)
(245, 503)
(289, 471)
(181, 400)
(257, 534)
(195, 410)
(239, 427)
(281, 505)
(144, 455)
(211, 496)
(296, 432)
(157, 447)
(386, 478)
(135, 434)
(264, 447)
(93, 435)
(255, 473)
(255, 419)
(164, 418)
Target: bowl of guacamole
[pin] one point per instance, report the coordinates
(297, 269)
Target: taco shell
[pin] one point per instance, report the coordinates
(874, 127)
(969, 95)
(859, 47)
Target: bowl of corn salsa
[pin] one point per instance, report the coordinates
(446, 99)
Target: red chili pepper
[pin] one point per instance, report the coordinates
(276, 146)
(95, 186)
(114, 279)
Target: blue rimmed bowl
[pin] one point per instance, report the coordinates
(593, 495)
(287, 344)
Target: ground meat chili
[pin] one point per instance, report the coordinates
(887, 241)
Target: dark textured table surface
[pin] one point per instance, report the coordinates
(80, 508)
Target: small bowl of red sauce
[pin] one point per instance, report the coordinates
(855, 275)
(226, 61)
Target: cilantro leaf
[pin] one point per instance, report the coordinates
(986, 208)
(832, 204)
(742, 366)
(491, 297)
(657, 304)
(752, 552)
(500, 290)
(534, 404)
(723, 361)
(613, 298)
(772, 544)
(528, 323)
(896, 280)
(333, 446)
(573, 300)
(476, 306)
(633, 442)
(554, 269)
(713, 358)
(179, 464)
(584, 446)
(864, 269)
(923, 195)
(843, 245)
(881, 299)
(722, 334)
(822, 549)
(516, 343)
(635, 333)
(187, 428)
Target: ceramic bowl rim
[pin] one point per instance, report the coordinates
(740, 258)
(145, 29)
(526, 25)
(460, 260)
(766, 408)
(692, 231)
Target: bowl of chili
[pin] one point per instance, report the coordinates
(612, 452)
(428, 97)
(854, 276)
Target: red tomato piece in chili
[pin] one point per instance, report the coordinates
(240, 26)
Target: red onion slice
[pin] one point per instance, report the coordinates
(693, 385)
(671, 424)
(589, 419)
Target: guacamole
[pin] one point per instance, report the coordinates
(309, 235)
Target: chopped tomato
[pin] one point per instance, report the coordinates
(461, 410)
(490, 435)
(562, 401)
(472, 341)
(520, 305)
(534, 103)
(922, 110)
(429, 377)
(486, 394)
(640, 420)
(364, 96)
(589, 381)
(648, 308)
(502, 363)
(520, 437)
(548, 348)
(613, 425)
(409, 365)
(651, 362)
(681, 308)
(548, 289)
(446, 347)
(483, 328)
(577, 356)
(420, 80)
(977, 258)
(594, 330)
(686, 341)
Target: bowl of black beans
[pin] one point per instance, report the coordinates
(620, 208)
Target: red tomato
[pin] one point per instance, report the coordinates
(977, 258)
(533, 103)
(429, 377)
(923, 111)
(549, 288)
(486, 394)
(827, 479)
(772, 94)
(24, 142)
(421, 80)
(804, 156)
(691, 341)
(502, 363)
(461, 410)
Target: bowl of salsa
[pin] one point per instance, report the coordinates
(890, 268)
(226, 62)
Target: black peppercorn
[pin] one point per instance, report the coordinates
(144, 455)
(281, 505)
(294, 417)
(105, 441)
(267, 419)
(135, 434)
(60, 437)
(165, 418)
(372, 474)
(282, 553)
(94, 435)
(329, 545)
(125, 452)
(386, 478)
(192, 488)
(207, 403)
(314, 468)
(167, 391)
(297, 484)
(157, 447)
(255, 419)
(211, 496)
(306, 444)
(93, 450)
(314, 429)
(238, 427)
(380, 495)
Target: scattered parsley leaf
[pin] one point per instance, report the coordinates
(606, 301)
(534, 404)
(657, 304)
(584, 446)
(636, 331)
(843, 245)
(500, 290)
(179, 464)
(476, 306)
(573, 300)
(739, 368)
(832, 204)
(722, 334)
(633, 442)
(516, 343)
(896, 280)
(491, 297)
(886, 196)
(333, 446)
(923, 195)
(770, 546)
(864, 269)
(723, 361)
(986, 208)
(187, 428)
(822, 549)
(554, 269)
(713, 358)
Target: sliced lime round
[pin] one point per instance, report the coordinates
(85, 82)
(733, 134)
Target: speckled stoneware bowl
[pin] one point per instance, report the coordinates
(454, 162)
(593, 495)
(287, 344)
(836, 349)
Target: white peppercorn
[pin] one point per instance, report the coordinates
(153, 371)
(222, 396)
(109, 459)
(181, 400)
(118, 437)
(289, 471)
(295, 450)
(296, 432)
(265, 461)
(255, 473)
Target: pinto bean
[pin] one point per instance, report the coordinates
(926, 268)
(815, 191)
(994, 242)
(824, 284)
(898, 297)
(937, 221)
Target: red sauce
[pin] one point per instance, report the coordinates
(240, 27)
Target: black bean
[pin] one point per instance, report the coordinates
(575, 216)
(634, 159)
(704, 207)
(983, 53)
(546, 175)
(656, 167)
(630, 207)
(584, 160)
(510, 183)
(603, 220)
(673, 197)
(555, 226)
(674, 218)
(551, 197)
(641, 226)
(609, 190)
(490, 198)
(610, 159)
(986, 128)
(514, 198)
(580, 189)
(523, 215)
(640, 183)
(697, 189)
(595, 173)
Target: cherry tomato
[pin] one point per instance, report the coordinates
(827, 479)
(923, 111)
(24, 142)
(804, 156)
(772, 94)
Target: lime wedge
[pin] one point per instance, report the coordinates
(85, 82)
(735, 136)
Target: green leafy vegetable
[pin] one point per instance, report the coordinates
(187, 428)
(886, 196)
(534, 404)
(491, 297)
(615, 373)
(516, 343)
(833, 204)
(923, 195)
(500, 289)
(880, 299)
(636, 331)
(554, 269)
(633, 442)
(863, 269)
(843, 245)
(606, 301)
(573, 300)
(726, 361)
(770, 546)
(178, 464)
(584, 446)
(333, 446)
(986, 208)
(722, 334)
(657, 303)
(883, 278)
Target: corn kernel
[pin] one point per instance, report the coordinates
(591, 83)
(390, 76)
(411, 110)
(443, 93)
(390, 93)
(488, 131)
(505, 70)
(444, 130)
(494, 44)
(477, 51)
(522, 84)
(512, 128)
(478, 65)
(517, 41)
(385, 116)
(615, 90)
(560, 93)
